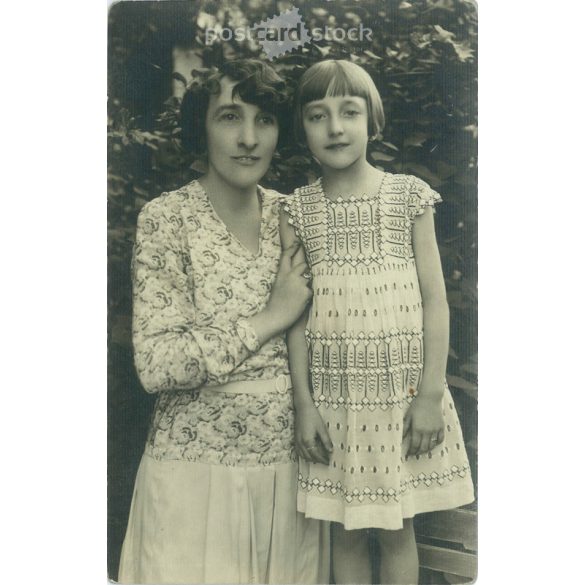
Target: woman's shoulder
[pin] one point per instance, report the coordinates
(272, 196)
(170, 203)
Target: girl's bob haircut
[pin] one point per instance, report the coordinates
(256, 83)
(332, 78)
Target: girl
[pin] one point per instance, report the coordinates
(375, 423)
(215, 495)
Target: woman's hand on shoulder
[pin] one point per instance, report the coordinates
(291, 291)
(424, 423)
(290, 295)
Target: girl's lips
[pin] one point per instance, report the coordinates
(337, 146)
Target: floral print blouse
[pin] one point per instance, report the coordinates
(194, 285)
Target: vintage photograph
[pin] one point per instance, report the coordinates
(292, 292)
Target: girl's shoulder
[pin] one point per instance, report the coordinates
(413, 192)
(295, 201)
(402, 181)
(306, 192)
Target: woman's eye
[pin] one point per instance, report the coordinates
(228, 117)
(316, 117)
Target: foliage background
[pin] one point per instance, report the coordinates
(423, 58)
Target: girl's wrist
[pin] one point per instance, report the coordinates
(431, 391)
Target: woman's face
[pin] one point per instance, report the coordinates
(337, 130)
(241, 138)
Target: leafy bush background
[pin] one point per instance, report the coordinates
(423, 58)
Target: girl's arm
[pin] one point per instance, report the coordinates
(311, 436)
(170, 351)
(424, 420)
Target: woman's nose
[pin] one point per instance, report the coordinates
(248, 136)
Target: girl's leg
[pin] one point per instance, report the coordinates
(351, 558)
(399, 556)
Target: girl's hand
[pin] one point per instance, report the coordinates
(291, 290)
(311, 437)
(424, 424)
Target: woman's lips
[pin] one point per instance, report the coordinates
(246, 160)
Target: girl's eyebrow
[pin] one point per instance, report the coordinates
(314, 106)
(321, 104)
(351, 101)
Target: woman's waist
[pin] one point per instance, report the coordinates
(241, 421)
(270, 361)
(280, 383)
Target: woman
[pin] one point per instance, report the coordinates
(214, 500)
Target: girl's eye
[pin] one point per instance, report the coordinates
(351, 113)
(268, 120)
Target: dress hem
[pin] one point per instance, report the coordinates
(380, 515)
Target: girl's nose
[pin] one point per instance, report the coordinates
(335, 125)
(248, 136)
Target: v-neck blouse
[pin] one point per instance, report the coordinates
(207, 202)
(195, 285)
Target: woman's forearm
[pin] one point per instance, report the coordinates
(298, 358)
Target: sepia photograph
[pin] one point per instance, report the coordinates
(292, 293)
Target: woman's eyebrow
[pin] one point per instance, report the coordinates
(227, 108)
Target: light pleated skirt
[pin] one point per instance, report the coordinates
(194, 522)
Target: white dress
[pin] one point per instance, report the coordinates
(215, 494)
(365, 340)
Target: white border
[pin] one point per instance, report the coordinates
(54, 296)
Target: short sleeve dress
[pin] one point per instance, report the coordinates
(215, 494)
(365, 340)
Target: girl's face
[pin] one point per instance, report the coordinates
(337, 130)
(241, 138)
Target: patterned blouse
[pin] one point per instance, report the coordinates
(194, 285)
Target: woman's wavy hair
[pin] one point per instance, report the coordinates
(256, 83)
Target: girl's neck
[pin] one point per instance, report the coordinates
(357, 179)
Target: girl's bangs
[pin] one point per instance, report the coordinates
(334, 82)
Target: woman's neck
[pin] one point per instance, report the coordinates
(228, 197)
(357, 179)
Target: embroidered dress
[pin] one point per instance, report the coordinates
(215, 494)
(365, 341)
